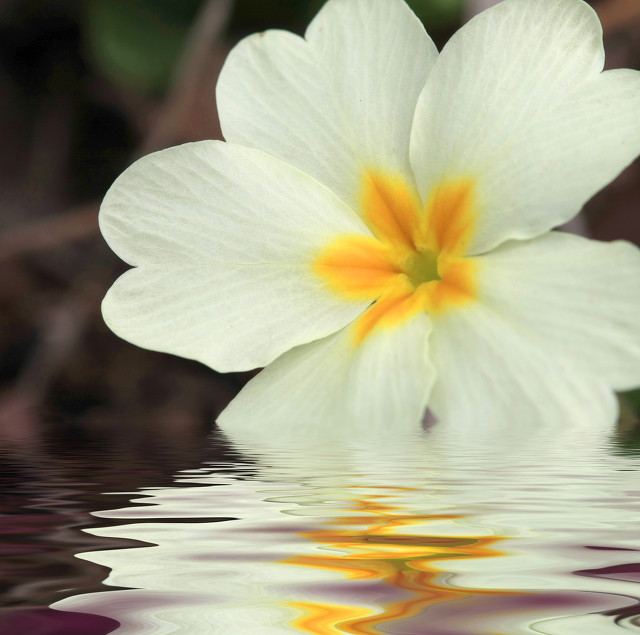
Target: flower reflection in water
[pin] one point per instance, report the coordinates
(383, 544)
(419, 535)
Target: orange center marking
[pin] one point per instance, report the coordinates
(416, 259)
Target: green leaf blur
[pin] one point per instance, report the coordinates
(135, 43)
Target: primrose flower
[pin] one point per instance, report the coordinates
(377, 228)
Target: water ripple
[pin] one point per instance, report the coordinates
(418, 535)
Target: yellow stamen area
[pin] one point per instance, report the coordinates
(416, 259)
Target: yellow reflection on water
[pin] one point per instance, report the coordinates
(378, 541)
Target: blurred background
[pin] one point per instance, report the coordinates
(85, 88)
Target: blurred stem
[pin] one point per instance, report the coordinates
(74, 224)
(191, 70)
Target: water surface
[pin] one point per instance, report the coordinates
(420, 534)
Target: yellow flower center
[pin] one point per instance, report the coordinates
(416, 259)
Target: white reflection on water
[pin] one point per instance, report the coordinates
(424, 534)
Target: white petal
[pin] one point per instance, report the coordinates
(224, 203)
(273, 94)
(230, 317)
(517, 100)
(580, 297)
(492, 377)
(222, 237)
(334, 105)
(382, 384)
(380, 57)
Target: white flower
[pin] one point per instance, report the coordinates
(376, 229)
